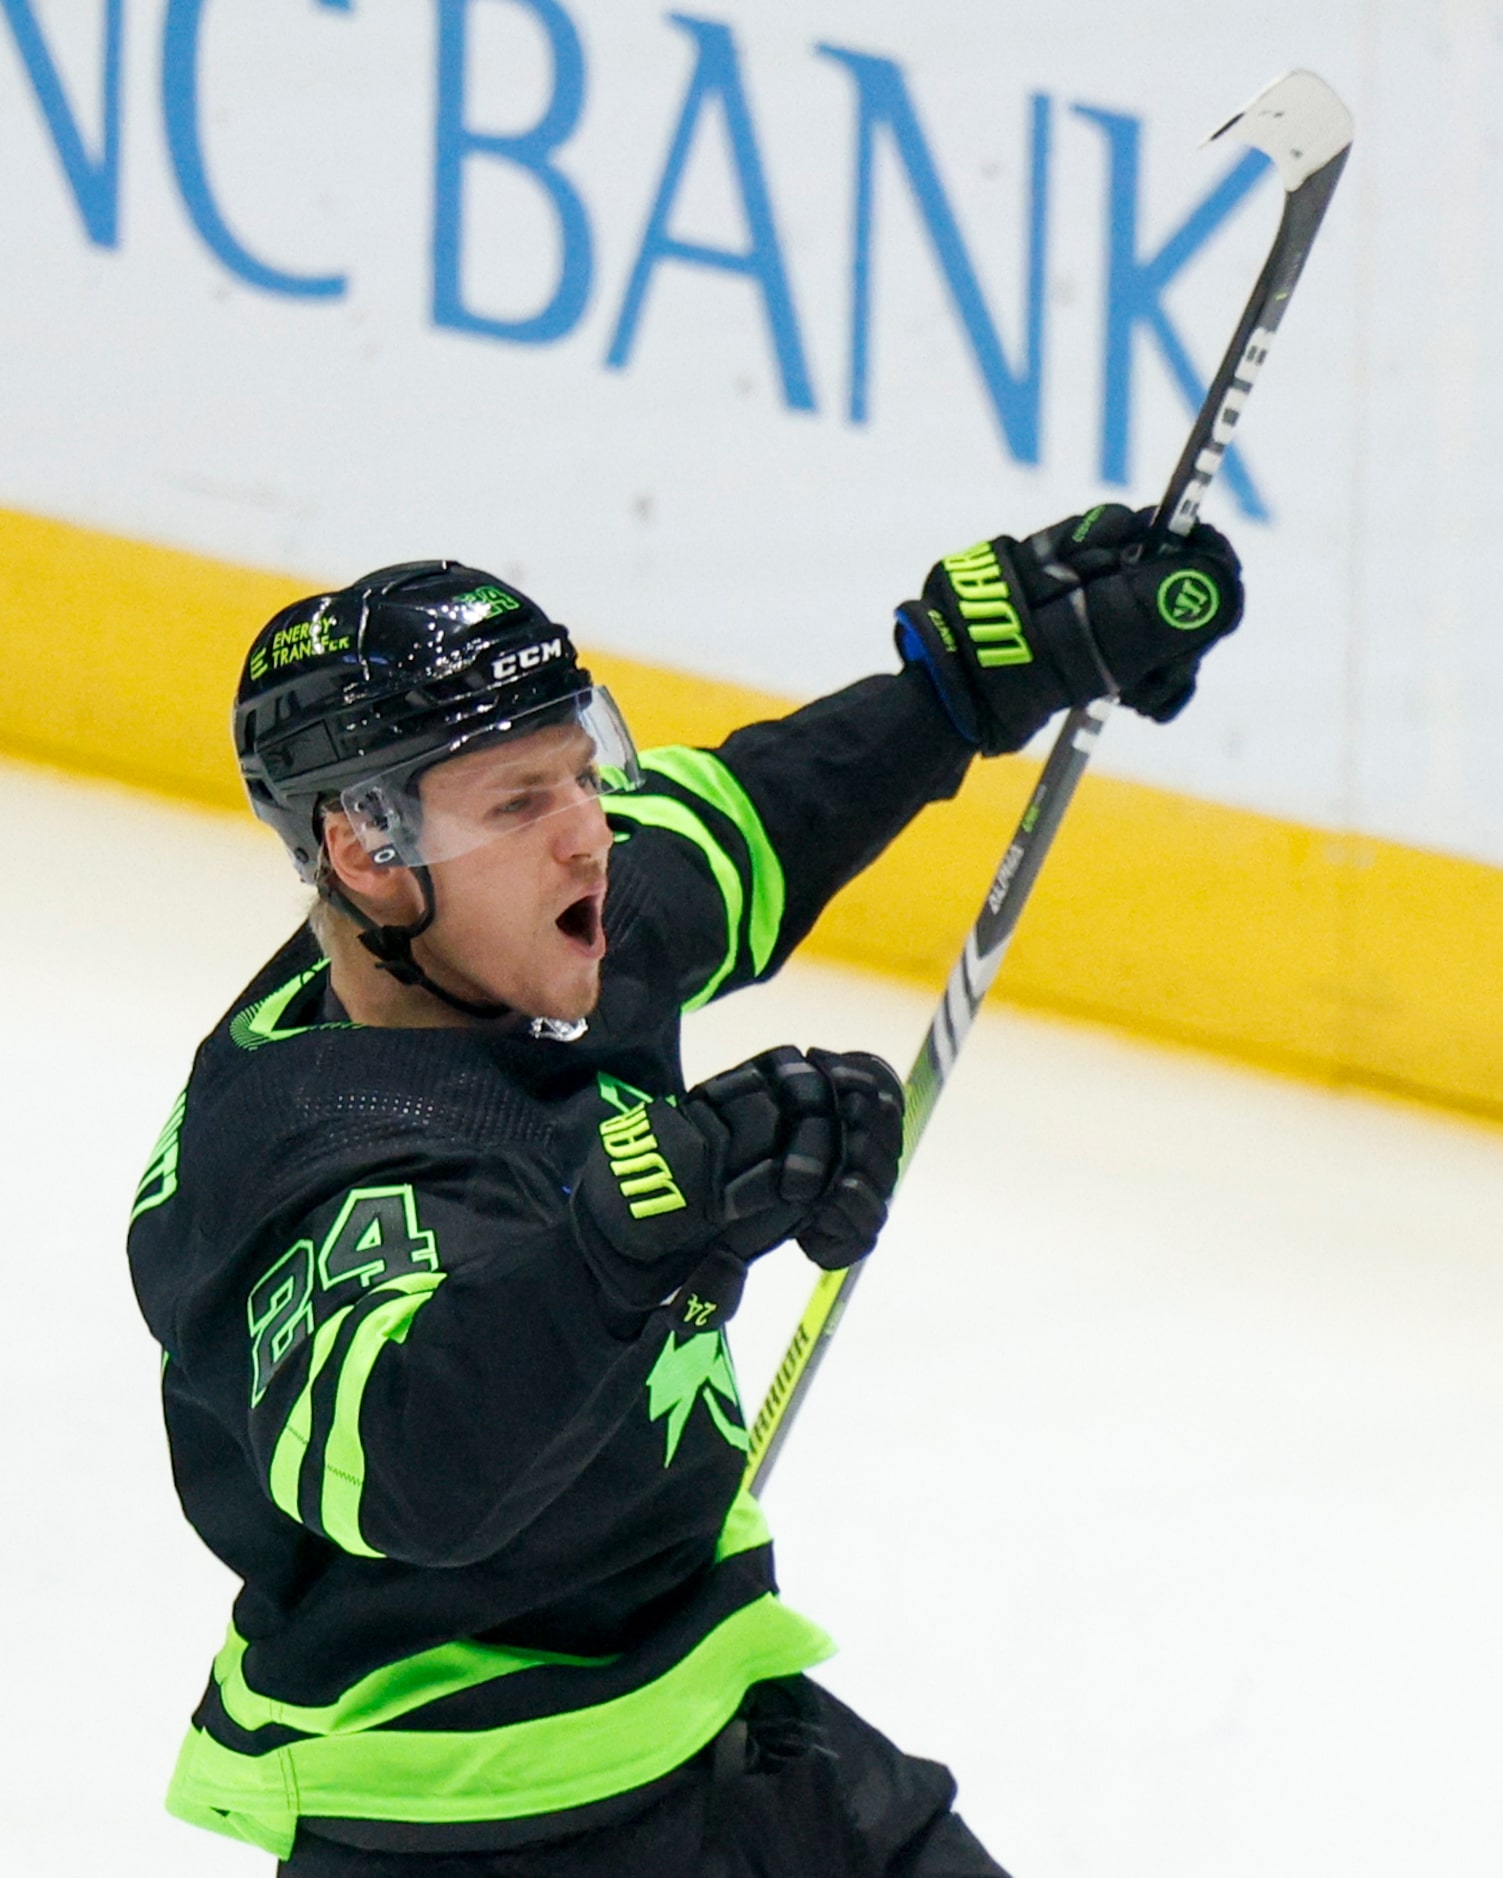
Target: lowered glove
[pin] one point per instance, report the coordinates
(1010, 632)
(783, 1146)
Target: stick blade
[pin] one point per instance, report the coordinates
(1298, 121)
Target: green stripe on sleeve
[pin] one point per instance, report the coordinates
(297, 1431)
(344, 1453)
(707, 777)
(664, 812)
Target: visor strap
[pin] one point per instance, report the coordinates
(391, 946)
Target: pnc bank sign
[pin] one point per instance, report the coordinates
(886, 124)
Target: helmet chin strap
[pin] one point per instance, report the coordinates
(391, 946)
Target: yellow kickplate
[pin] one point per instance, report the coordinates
(1332, 956)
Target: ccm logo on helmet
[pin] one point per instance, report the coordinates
(512, 664)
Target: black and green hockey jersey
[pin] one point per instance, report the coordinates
(499, 1576)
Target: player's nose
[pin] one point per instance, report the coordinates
(581, 832)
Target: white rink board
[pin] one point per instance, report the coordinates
(1153, 1481)
(707, 501)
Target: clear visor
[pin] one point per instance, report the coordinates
(499, 781)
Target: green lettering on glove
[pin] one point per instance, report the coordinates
(645, 1178)
(984, 601)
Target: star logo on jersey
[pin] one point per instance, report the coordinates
(696, 1371)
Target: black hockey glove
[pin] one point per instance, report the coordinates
(783, 1146)
(853, 1209)
(1010, 632)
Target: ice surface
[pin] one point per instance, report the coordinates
(1153, 1481)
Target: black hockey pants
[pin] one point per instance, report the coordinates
(796, 1787)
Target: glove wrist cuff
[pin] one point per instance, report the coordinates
(922, 645)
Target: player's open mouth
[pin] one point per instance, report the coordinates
(580, 923)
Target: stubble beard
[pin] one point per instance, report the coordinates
(572, 1009)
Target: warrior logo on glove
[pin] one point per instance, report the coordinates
(1188, 601)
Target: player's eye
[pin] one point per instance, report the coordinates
(513, 807)
(589, 779)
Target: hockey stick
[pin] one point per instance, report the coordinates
(1304, 127)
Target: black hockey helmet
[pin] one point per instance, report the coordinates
(349, 696)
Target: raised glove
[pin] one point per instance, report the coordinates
(1010, 632)
(782, 1146)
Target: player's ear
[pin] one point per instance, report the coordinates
(385, 891)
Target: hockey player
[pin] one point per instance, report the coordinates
(440, 1250)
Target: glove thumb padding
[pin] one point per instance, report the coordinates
(869, 1098)
(781, 1140)
(1187, 596)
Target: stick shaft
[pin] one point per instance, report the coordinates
(970, 979)
(986, 943)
